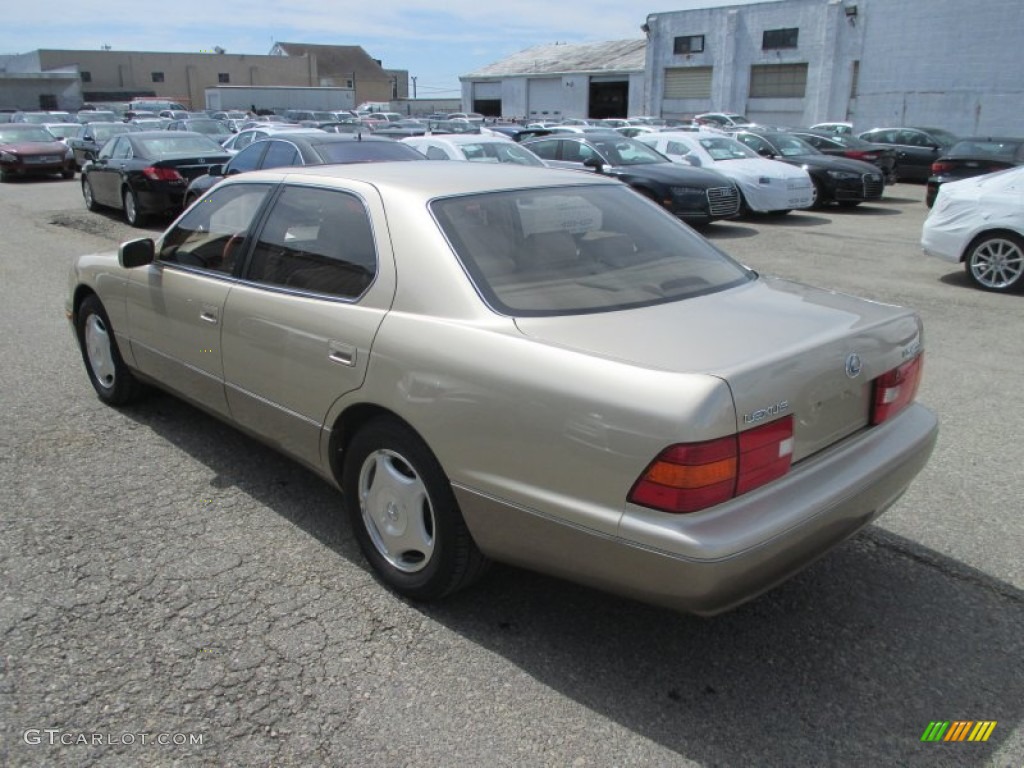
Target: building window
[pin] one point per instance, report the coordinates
(86, 77)
(691, 44)
(223, 77)
(774, 39)
(158, 77)
(778, 81)
(855, 80)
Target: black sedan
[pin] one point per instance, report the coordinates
(916, 148)
(311, 147)
(843, 145)
(695, 195)
(90, 138)
(147, 172)
(974, 157)
(27, 149)
(836, 179)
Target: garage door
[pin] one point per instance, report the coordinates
(487, 91)
(688, 83)
(544, 99)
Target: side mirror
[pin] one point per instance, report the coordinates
(765, 152)
(136, 253)
(594, 163)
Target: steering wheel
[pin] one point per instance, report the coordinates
(227, 255)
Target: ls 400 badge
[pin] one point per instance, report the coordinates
(763, 413)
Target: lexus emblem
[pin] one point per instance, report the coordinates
(853, 365)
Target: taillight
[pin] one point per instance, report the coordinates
(896, 389)
(861, 154)
(941, 167)
(156, 173)
(693, 476)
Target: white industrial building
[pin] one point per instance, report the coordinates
(553, 82)
(953, 64)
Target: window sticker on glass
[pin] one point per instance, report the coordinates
(563, 213)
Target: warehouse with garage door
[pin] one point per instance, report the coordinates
(938, 63)
(559, 81)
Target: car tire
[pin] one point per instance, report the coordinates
(404, 513)
(132, 215)
(88, 196)
(995, 262)
(818, 197)
(110, 377)
(782, 212)
(67, 175)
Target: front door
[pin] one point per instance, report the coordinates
(175, 305)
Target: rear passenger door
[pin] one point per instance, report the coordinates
(298, 327)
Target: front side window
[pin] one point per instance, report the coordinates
(546, 149)
(212, 234)
(246, 160)
(579, 249)
(316, 240)
(281, 154)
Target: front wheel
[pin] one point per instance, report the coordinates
(110, 377)
(404, 513)
(132, 214)
(996, 263)
(818, 197)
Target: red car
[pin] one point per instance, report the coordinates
(31, 150)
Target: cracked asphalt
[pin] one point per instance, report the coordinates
(173, 593)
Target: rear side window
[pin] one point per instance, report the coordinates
(316, 240)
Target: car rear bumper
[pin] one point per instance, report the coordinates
(711, 561)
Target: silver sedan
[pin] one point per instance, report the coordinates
(525, 365)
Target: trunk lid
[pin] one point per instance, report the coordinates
(782, 348)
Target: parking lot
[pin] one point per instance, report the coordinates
(175, 593)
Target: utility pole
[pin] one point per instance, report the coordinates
(413, 78)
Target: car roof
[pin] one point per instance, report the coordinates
(461, 138)
(423, 180)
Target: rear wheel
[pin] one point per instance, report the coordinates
(404, 513)
(110, 377)
(131, 208)
(88, 196)
(995, 262)
(67, 174)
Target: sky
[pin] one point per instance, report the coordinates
(435, 41)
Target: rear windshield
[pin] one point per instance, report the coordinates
(366, 152)
(180, 145)
(580, 249)
(14, 132)
(980, 148)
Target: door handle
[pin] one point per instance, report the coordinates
(208, 314)
(344, 354)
